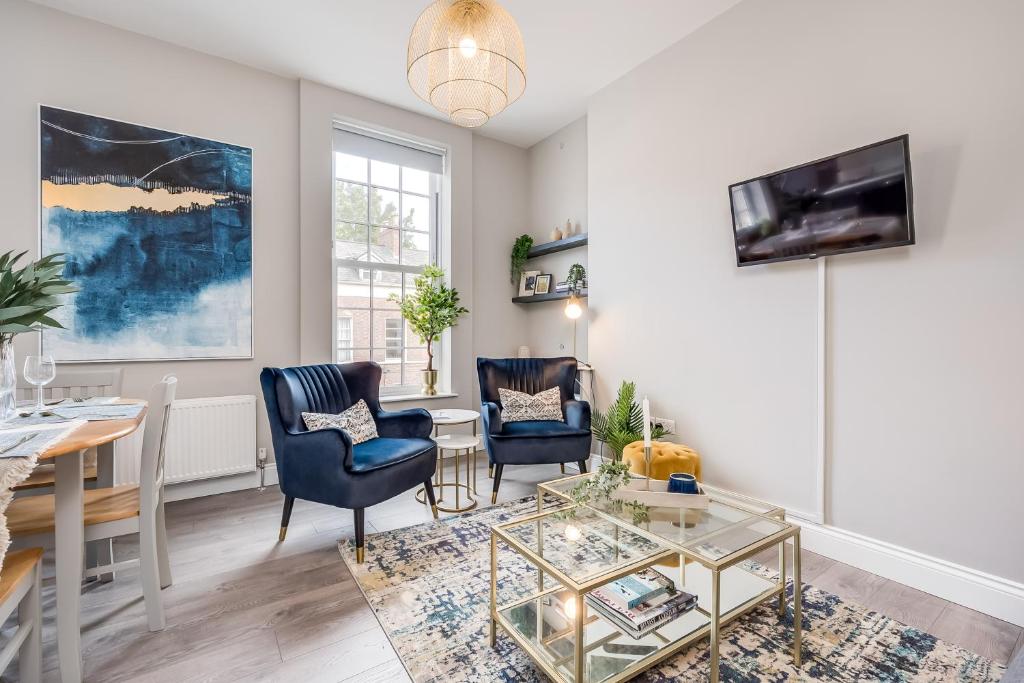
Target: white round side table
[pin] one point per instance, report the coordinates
(454, 445)
(458, 445)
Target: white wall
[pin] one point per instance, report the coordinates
(53, 58)
(558, 192)
(500, 206)
(925, 366)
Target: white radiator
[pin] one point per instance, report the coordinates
(206, 437)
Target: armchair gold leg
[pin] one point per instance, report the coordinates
(494, 497)
(490, 471)
(360, 554)
(433, 508)
(282, 533)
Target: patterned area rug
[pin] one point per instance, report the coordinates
(429, 586)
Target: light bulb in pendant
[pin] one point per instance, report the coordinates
(573, 533)
(467, 46)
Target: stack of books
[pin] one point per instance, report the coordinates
(639, 603)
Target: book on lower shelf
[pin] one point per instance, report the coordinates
(635, 589)
(645, 617)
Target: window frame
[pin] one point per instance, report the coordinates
(369, 270)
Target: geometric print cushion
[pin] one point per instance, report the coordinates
(517, 406)
(356, 421)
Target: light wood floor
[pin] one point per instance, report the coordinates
(244, 607)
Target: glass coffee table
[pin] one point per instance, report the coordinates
(576, 549)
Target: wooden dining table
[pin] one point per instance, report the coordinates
(67, 456)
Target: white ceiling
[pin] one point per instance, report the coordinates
(573, 47)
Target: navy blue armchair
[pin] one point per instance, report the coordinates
(324, 466)
(533, 442)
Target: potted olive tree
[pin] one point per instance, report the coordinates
(431, 309)
(27, 296)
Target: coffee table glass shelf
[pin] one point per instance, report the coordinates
(576, 549)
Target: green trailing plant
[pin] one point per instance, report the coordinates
(623, 423)
(520, 252)
(29, 294)
(598, 490)
(577, 274)
(431, 309)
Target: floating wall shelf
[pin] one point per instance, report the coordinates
(550, 296)
(558, 245)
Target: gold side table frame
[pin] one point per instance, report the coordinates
(579, 589)
(449, 417)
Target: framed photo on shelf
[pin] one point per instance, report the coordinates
(543, 284)
(528, 282)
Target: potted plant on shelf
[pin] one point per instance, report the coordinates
(577, 276)
(430, 310)
(27, 296)
(623, 423)
(520, 252)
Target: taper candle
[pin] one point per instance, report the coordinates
(647, 423)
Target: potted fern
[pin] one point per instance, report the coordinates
(623, 423)
(431, 309)
(27, 296)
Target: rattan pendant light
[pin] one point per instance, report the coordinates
(466, 58)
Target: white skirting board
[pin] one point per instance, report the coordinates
(993, 595)
(213, 487)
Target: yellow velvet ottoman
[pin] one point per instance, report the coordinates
(666, 458)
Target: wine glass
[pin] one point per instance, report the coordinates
(40, 371)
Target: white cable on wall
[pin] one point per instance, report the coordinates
(821, 406)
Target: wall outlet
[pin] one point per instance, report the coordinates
(261, 455)
(668, 425)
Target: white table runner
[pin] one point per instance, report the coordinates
(19, 452)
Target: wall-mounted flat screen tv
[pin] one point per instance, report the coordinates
(857, 200)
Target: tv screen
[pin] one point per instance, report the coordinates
(852, 201)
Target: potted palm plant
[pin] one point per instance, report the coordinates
(27, 296)
(431, 309)
(623, 423)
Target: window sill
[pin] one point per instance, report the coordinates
(416, 397)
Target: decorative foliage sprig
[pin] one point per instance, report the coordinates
(29, 294)
(623, 423)
(610, 477)
(520, 252)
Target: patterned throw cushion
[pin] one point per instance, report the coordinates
(356, 421)
(517, 406)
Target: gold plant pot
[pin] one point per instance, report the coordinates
(429, 382)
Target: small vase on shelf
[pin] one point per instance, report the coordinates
(556, 235)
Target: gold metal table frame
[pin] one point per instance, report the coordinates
(464, 491)
(574, 668)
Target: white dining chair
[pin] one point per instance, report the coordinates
(19, 590)
(99, 471)
(98, 465)
(75, 384)
(116, 511)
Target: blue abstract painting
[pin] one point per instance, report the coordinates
(157, 228)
